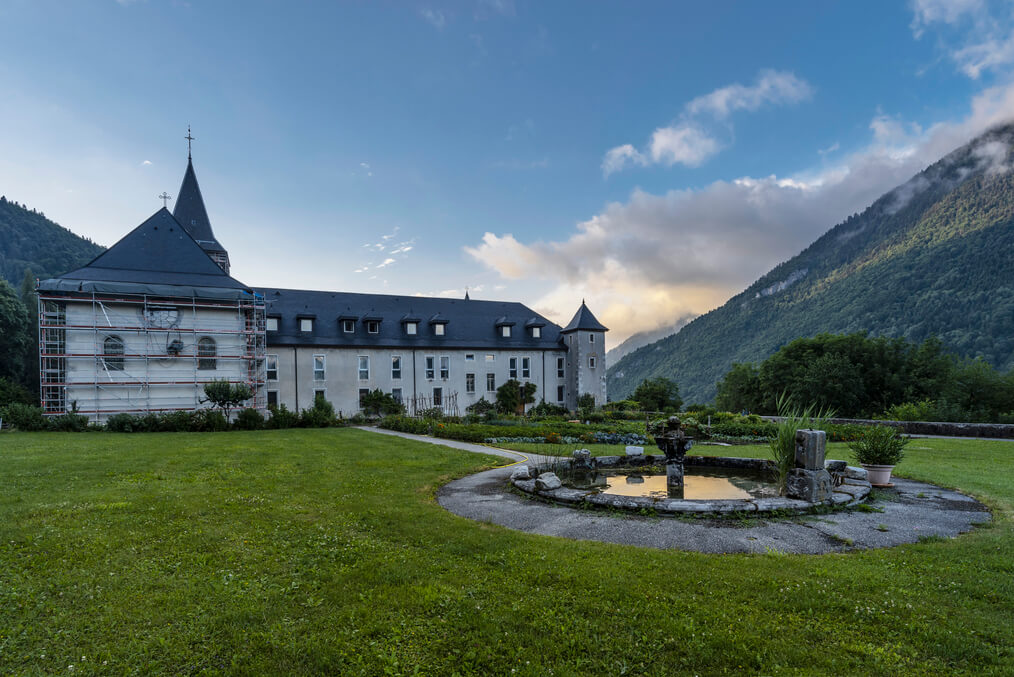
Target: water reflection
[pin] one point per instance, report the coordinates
(699, 484)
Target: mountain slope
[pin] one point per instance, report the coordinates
(930, 257)
(643, 338)
(28, 240)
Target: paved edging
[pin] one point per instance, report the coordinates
(915, 510)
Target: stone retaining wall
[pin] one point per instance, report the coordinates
(998, 430)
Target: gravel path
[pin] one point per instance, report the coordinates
(910, 511)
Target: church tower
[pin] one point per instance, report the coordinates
(192, 215)
(585, 338)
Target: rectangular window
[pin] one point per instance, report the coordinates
(319, 392)
(559, 393)
(513, 367)
(396, 367)
(430, 367)
(319, 364)
(272, 367)
(396, 394)
(526, 367)
(445, 366)
(305, 324)
(373, 327)
(438, 329)
(490, 357)
(364, 367)
(411, 328)
(591, 362)
(505, 331)
(559, 367)
(272, 324)
(490, 383)
(349, 326)
(438, 397)
(272, 398)
(591, 338)
(469, 383)
(536, 332)
(469, 357)
(363, 392)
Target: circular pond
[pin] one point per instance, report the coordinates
(712, 484)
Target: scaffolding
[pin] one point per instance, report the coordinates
(108, 353)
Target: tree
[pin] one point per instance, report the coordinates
(740, 389)
(586, 402)
(225, 395)
(658, 394)
(377, 402)
(512, 397)
(15, 337)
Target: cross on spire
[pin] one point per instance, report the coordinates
(189, 138)
(165, 197)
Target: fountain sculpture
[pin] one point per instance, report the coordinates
(672, 440)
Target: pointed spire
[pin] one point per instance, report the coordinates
(584, 320)
(466, 294)
(193, 216)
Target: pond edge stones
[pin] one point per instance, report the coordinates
(845, 485)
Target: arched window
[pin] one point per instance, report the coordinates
(206, 351)
(112, 353)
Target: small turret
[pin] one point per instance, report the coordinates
(585, 339)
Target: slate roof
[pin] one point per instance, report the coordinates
(469, 323)
(584, 320)
(158, 252)
(190, 212)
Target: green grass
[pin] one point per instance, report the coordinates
(324, 552)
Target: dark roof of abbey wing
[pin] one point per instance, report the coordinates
(192, 215)
(158, 252)
(467, 323)
(584, 320)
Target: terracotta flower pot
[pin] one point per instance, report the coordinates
(878, 475)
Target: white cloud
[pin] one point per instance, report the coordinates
(682, 144)
(771, 87)
(943, 11)
(830, 149)
(652, 258)
(146, 163)
(385, 263)
(976, 38)
(687, 142)
(436, 18)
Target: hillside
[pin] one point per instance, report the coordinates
(930, 257)
(643, 338)
(29, 240)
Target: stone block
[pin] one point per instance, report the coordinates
(582, 459)
(835, 466)
(606, 461)
(808, 485)
(854, 473)
(548, 481)
(810, 448)
(521, 472)
(635, 451)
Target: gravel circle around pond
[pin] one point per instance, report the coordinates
(910, 511)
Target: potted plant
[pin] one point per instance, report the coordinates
(878, 450)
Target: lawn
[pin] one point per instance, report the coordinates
(324, 551)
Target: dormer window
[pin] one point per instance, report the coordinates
(349, 326)
(306, 324)
(438, 329)
(411, 328)
(272, 324)
(505, 331)
(536, 332)
(373, 326)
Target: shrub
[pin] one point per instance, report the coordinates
(433, 413)
(249, 419)
(121, 423)
(379, 403)
(923, 410)
(208, 421)
(480, 407)
(879, 445)
(69, 423)
(11, 392)
(225, 395)
(24, 417)
(282, 418)
(586, 401)
(543, 408)
(320, 415)
(175, 422)
(622, 405)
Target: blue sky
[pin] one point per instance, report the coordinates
(653, 157)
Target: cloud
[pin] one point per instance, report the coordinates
(436, 18)
(975, 38)
(830, 149)
(385, 263)
(655, 257)
(687, 142)
(771, 87)
(146, 163)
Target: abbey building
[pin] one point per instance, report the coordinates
(148, 322)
